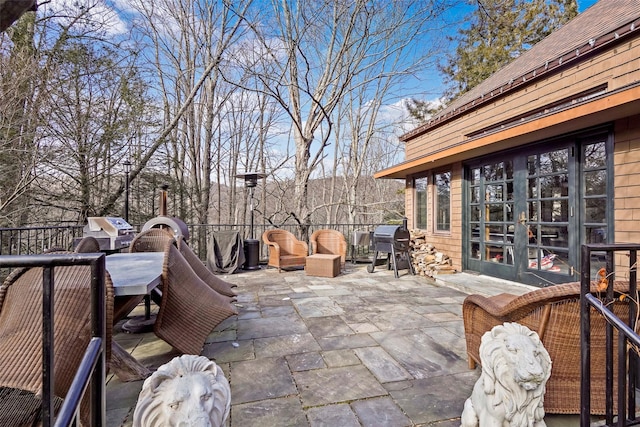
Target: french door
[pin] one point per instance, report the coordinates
(529, 211)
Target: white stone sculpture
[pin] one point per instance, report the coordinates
(187, 391)
(510, 390)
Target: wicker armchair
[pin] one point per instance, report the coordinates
(554, 313)
(285, 250)
(21, 338)
(330, 242)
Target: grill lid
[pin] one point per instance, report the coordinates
(391, 233)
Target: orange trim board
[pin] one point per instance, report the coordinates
(535, 128)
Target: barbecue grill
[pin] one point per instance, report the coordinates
(112, 233)
(395, 241)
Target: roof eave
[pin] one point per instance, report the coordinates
(589, 48)
(598, 110)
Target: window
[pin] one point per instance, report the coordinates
(420, 186)
(442, 208)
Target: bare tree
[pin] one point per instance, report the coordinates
(309, 74)
(313, 55)
(189, 40)
(60, 80)
(18, 76)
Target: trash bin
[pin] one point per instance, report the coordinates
(252, 254)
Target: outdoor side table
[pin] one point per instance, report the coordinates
(322, 265)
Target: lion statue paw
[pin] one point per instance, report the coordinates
(187, 391)
(511, 387)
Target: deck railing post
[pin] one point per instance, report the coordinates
(47, 346)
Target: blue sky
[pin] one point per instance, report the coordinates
(428, 85)
(584, 4)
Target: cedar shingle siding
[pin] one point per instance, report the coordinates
(583, 76)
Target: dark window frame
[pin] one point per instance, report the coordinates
(441, 225)
(421, 203)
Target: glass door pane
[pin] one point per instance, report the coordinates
(595, 203)
(548, 212)
(530, 210)
(491, 219)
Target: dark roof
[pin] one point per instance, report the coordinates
(589, 30)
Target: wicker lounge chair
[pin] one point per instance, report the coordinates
(284, 249)
(155, 240)
(21, 338)
(204, 273)
(190, 308)
(331, 242)
(554, 313)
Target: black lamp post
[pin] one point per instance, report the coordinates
(127, 170)
(251, 245)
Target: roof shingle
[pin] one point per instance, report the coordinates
(600, 19)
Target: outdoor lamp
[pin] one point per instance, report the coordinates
(127, 170)
(251, 245)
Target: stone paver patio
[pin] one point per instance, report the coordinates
(360, 349)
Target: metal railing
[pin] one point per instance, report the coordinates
(35, 240)
(92, 368)
(627, 361)
(200, 234)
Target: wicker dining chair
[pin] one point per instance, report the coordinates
(331, 242)
(156, 239)
(21, 338)
(554, 313)
(190, 309)
(217, 284)
(88, 244)
(151, 240)
(285, 250)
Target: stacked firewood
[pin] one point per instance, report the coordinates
(427, 260)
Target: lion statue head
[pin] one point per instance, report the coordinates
(511, 387)
(187, 391)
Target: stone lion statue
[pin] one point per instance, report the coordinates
(187, 391)
(510, 390)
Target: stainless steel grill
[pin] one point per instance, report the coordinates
(112, 233)
(395, 241)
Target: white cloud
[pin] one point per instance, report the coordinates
(95, 15)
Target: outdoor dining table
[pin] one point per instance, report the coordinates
(134, 276)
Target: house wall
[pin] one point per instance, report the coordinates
(627, 180)
(449, 243)
(616, 67)
(626, 195)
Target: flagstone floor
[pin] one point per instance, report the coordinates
(360, 349)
